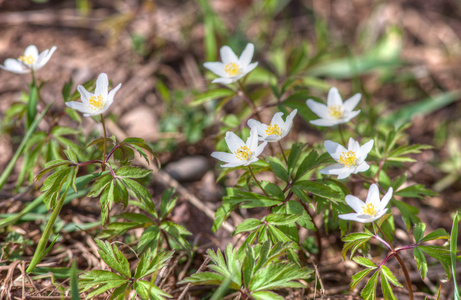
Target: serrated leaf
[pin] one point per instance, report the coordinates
(149, 239)
(247, 225)
(319, 189)
(363, 261)
(278, 168)
(114, 258)
(148, 290)
(419, 231)
(369, 291)
(436, 235)
(167, 202)
(294, 155)
(385, 270)
(415, 191)
(356, 278)
(273, 190)
(386, 288)
(142, 194)
(307, 164)
(132, 172)
(266, 295)
(103, 280)
(281, 219)
(99, 185)
(421, 262)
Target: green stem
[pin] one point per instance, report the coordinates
(283, 153)
(340, 129)
(32, 104)
(257, 182)
(9, 168)
(401, 263)
(40, 251)
(105, 142)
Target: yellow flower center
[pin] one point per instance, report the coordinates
(369, 209)
(243, 153)
(27, 59)
(96, 102)
(348, 158)
(232, 69)
(335, 111)
(273, 130)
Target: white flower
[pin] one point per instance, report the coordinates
(232, 68)
(350, 160)
(277, 129)
(335, 112)
(97, 103)
(242, 154)
(371, 210)
(31, 60)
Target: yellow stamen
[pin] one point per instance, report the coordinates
(96, 102)
(273, 130)
(27, 59)
(348, 159)
(335, 111)
(369, 209)
(243, 153)
(232, 69)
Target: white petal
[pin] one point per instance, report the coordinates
(349, 217)
(362, 167)
(110, 96)
(346, 172)
(260, 149)
(381, 213)
(32, 51)
(232, 165)
(355, 203)
(277, 119)
(260, 127)
(334, 149)
(247, 55)
(226, 157)
(84, 94)
(333, 169)
(233, 141)
(44, 57)
(365, 218)
(81, 107)
(352, 102)
(349, 116)
(365, 149)
(334, 99)
(249, 68)
(14, 66)
(228, 56)
(319, 109)
(288, 123)
(386, 198)
(252, 141)
(217, 68)
(102, 86)
(373, 195)
(325, 122)
(224, 80)
(352, 145)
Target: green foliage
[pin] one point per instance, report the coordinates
(259, 269)
(124, 281)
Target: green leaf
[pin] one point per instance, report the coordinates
(132, 172)
(409, 213)
(151, 262)
(436, 235)
(99, 185)
(114, 258)
(415, 191)
(167, 202)
(421, 262)
(281, 219)
(247, 225)
(363, 261)
(273, 190)
(319, 189)
(142, 194)
(419, 231)
(356, 278)
(100, 281)
(149, 239)
(386, 288)
(453, 250)
(266, 295)
(369, 291)
(211, 95)
(177, 233)
(148, 290)
(278, 168)
(73, 281)
(388, 274)
(295, 152)
(307, 164)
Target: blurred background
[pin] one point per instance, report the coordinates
(404, 56)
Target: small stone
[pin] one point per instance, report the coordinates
(140, 121)
(190, 168)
